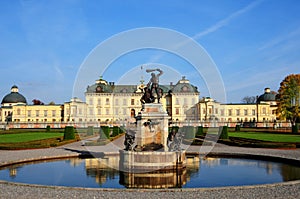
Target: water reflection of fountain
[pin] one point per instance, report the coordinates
(154, 180)
(102, 169)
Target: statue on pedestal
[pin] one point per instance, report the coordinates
(152, 91)
(129, 140)
(174, 140)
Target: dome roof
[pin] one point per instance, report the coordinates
(184, 85)
(267, 96)
(14, 96)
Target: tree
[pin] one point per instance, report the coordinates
(288, 98)
(51, 103)
(249, 99)
(37, 102)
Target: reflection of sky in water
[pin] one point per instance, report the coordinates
(212, 172)
(215, 172)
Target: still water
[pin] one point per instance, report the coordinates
(208, 172)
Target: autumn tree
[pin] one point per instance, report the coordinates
(288, 98)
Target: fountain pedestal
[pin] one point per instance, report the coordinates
(151, 152)
(152, 128)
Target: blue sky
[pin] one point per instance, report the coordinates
(43, 43)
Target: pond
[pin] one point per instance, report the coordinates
(199, 172)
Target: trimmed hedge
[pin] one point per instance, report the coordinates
(200, 131)
(174, 128)
(48, 128)
(90, 130)
(69, 133)
(115, 131)
(223, 132)
(104, 132)
(237, 128)
(295, 128)
(189, 132)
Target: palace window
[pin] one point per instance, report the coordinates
(37, 113)
(117, 111)
(245, 112)
(91, 101)
(53, 113)
(237, 111)
(230, 112)
(222, 112)
(99, 111)
(73, 110)
(91, 111)
(185, 101)
(132, 101)
(124, 102)
(264, 111)
(116, 101)
(177, 111)
(99, 101)
(45, 113)
(29, 113)
(107, 101)
(253, 112)
(18, 111)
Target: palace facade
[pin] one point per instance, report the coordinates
(264, 110)
(106, 102)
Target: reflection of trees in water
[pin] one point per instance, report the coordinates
(290, 172)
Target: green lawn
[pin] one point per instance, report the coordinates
(266, 136)
(26, 137)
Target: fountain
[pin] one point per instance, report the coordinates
(149, 147)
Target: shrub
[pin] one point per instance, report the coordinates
(223, 132)
(122, 130)
(200, 131)
(116, 131)
(174, 128)
(104, 132)
(189, 132)
(237, 128)
(48, 128)
(295, 128)
(69, 133)
(90, 130)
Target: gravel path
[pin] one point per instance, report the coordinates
(20, 191)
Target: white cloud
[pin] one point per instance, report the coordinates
(262, 78)
(280, 39)
(214, 27)
(227, 20)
